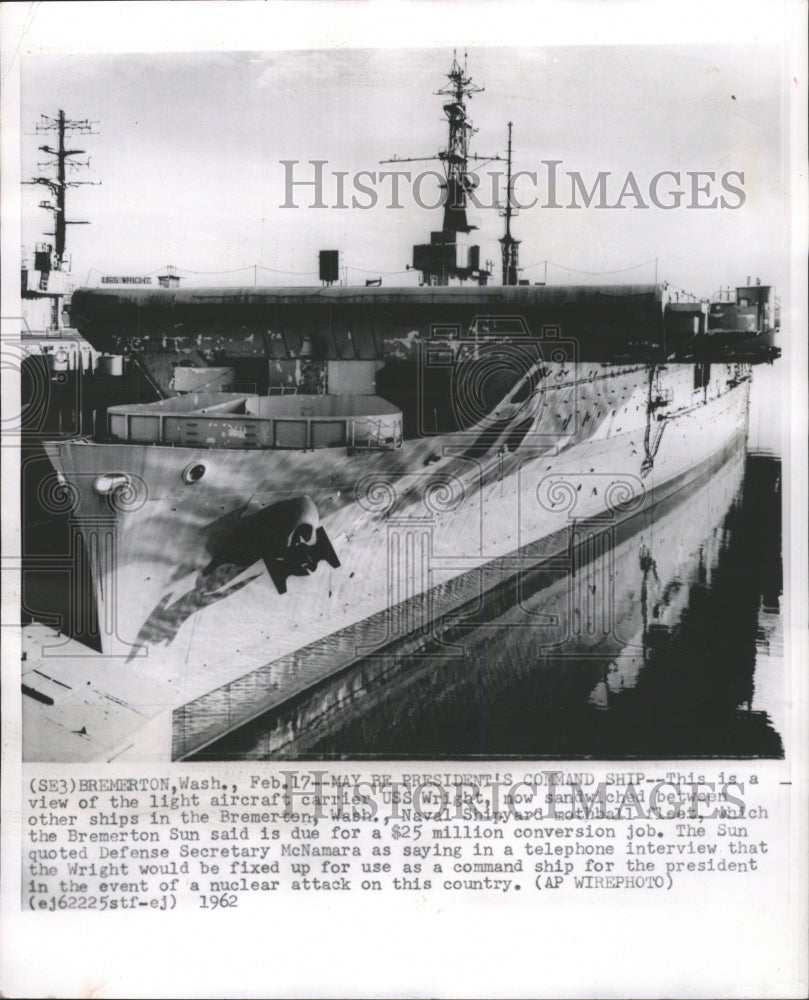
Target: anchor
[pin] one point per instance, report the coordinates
(286, 536)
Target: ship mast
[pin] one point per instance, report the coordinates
(61, 158)
(438, 259)
(456, 156)
(509, 246)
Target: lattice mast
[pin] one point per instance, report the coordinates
(62, 159)
(456, 156)
(510, 247)
(437, 260)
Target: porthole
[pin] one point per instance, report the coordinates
(194, 471)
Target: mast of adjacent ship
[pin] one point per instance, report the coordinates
(61, 159)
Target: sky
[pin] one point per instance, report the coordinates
(188, 171)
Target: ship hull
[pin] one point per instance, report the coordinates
(183, 583)
(583, 630)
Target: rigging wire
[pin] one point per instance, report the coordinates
(365, 270)
(578, 270)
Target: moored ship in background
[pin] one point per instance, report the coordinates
(45, 284)
(64, 379)
(332, 471)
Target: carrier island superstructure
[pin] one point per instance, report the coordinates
(399, 453)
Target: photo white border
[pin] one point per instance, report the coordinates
(400, 948)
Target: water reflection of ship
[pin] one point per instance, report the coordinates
(714, 645)
(664, 587)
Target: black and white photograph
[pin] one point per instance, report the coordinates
(418, 403)
(404, 490)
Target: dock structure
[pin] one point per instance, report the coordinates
(105, 711)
